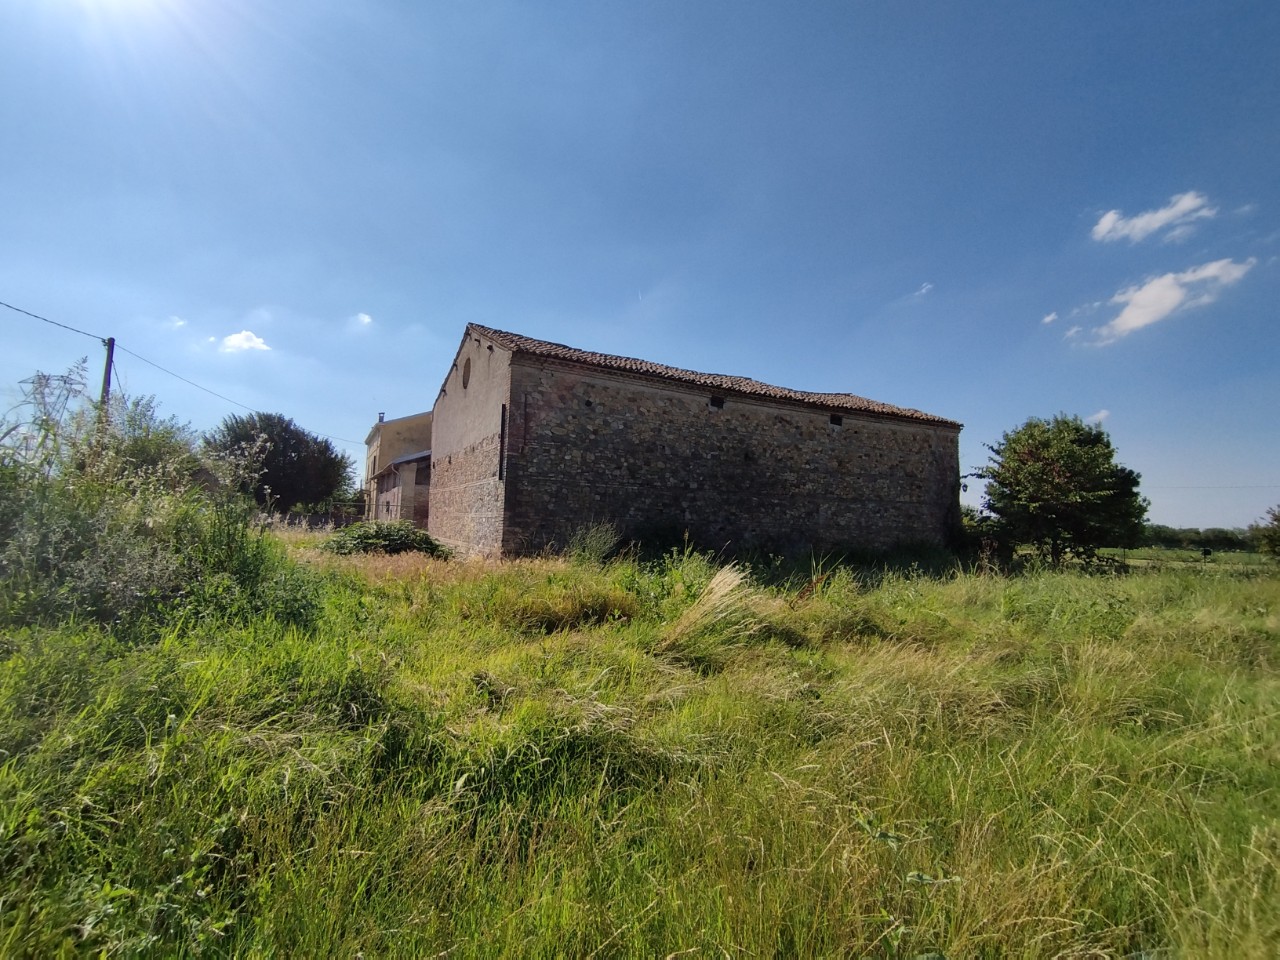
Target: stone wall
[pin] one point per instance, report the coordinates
(466, 446)
(588, 446)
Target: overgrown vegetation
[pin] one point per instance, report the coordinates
(623, 757)
(552, 758)
(111, 517)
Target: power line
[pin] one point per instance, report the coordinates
(139, 356)
(37, 316)
(214, 393)
(184, 379)
(1238, 486)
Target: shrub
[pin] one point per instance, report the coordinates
(111, 521)
(383, 536)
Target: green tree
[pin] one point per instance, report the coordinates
(293, 466)
(1267, 532)
(1055, 484)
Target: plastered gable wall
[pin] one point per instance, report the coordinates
(587, 446)
(466, 490)
(396, 438)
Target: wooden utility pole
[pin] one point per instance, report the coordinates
(110, 344)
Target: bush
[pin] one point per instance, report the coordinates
(112, 521)
(383, 536)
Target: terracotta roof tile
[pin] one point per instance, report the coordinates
(517, 343)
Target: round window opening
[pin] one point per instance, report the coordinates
(466, 373)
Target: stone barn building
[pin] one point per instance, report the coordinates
(531, 441)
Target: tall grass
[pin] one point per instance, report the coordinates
(648, 758)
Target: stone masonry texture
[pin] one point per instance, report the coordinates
(533, 441)
(661, 460)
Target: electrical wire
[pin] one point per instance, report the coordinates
(37, 316)
(214, 393)
(182, 378)
(1237, 486)
(138, 356)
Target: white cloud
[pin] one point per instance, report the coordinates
(1178, 233)
(1161, 296)
(244, 340)
(1072, 332)
(1050, 317)
(924, 289)
(363, 319)
(1097, 417)
(1084, 309)
(1178, 213)
(177, 322)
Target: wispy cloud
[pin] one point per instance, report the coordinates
(1161, 296)
(177, 323)
(244, 340)
(1178, 214)
(1097, 417)
(1072, 332)
(924, 289)
(1050, 317)
(361, 321)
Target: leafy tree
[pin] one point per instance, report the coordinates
(295, 466)
(1267, 533)
(1055, 484)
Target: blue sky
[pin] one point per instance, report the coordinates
(986, 211)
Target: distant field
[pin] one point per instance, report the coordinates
(544, 758)
(1147, 556)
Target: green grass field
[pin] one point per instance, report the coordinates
(671, 758)
(1171, 557)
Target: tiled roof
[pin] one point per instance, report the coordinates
(517, 343)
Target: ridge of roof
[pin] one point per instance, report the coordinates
(518, 343)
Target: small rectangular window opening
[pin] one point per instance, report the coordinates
(836, 420)
(717, 402)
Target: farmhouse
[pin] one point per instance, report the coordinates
(398, 469)
(531, 441)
